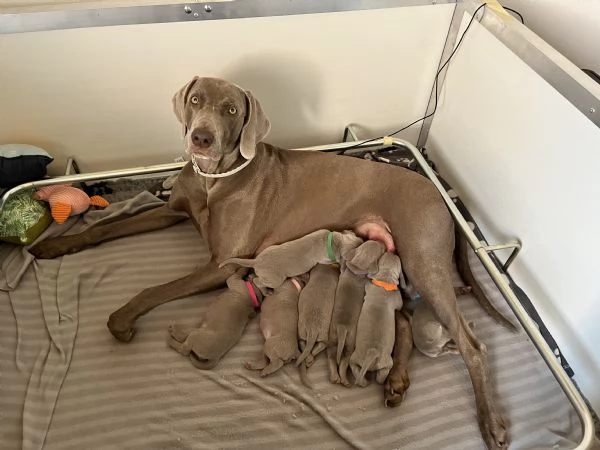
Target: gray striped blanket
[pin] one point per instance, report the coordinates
(66, 383)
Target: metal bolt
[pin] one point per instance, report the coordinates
(592, 110)
(187, 9)
(196, 14)
(207, 8)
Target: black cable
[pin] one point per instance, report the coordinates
(435, 83)
(514, 11)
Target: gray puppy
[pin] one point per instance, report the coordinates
(315, 307)
(375, 333)
(279, 326)
(349, 298)
(430, 337)
(278, 262)
(220, 328)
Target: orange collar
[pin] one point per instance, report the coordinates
(386, 286)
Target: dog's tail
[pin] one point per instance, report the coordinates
(464, 269)
(304, 375)
(370, 357)
(310, 343)
(342, 333)
(243, 262)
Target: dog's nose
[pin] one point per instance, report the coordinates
(202, 138)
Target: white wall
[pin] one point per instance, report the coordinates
(526, 162)
(104, 94)
(572, 27)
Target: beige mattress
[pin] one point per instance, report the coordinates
(66, 383)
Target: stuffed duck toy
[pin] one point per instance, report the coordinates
(66, 201)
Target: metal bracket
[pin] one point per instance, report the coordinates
(72, 166)
(515, 245)
(351, 132)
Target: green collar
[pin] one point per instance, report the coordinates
(330, 247)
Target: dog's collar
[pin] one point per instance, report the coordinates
(253, 295)
(385, 285)
(219, 175)
(330, 253)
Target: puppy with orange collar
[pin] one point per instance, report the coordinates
(376, 332)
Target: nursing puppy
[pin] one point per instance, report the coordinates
(314, 311)
(349, 298)
(375, 333)
(279, 326)
(278, 262)
(429, 336)
(220, 327)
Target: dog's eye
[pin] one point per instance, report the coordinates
(232, 110)
(194, 100)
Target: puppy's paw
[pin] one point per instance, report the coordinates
(178, 333)
(395, 388)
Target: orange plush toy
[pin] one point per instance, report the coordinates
(66, 201)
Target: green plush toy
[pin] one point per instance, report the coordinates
(23, 219)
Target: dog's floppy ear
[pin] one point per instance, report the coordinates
(256, 127)
(180, 100)
(366, 258)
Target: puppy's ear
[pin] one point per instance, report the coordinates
(256, 127)
(366, 257)
(180, 100)
(401, 279)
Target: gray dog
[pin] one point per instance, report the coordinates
(231, 178)
(220, 328)
(315, 307)
(349, 298)
(279, 326)
(376, 332)
(278, 262)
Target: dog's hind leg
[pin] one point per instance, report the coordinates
(153, 219)
(398, 382)
(428, 264)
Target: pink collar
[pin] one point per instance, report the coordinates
(252, 293)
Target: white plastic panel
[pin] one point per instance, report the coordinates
(104, 94)
(526, 162)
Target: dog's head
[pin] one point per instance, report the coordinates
(390, 269)
(219, 118)
(364, 260)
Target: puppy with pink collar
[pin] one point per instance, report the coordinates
(279, 326)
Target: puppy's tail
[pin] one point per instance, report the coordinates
(244, 262)
(342, 332)
(304, 376)
(370, 358)
(464, 269)
(310, 343)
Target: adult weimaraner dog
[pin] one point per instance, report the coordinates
(268, 195)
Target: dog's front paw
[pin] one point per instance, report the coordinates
(120, 326)
(395, 388)
(494, 431)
